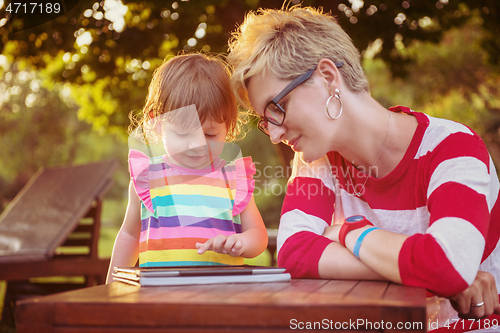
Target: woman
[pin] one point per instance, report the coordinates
(426, 186)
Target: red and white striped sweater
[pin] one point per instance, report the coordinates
(443, 194)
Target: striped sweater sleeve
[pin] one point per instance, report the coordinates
(307, 210)
(462, 188)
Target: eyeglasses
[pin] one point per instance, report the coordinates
(274, 113)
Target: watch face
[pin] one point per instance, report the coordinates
(355, 218)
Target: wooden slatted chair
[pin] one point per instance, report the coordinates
(51, 229)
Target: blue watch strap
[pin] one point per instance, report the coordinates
(357, 245)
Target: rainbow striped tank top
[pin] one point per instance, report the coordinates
(181, 207)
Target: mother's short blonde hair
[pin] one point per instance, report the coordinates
(288, 42)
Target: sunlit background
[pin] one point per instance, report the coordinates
(68, 85)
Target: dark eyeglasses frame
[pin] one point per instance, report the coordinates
(263, 122)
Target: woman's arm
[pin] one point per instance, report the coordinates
(126, 248)
(379, 255)
(250, 243)
(307, 213)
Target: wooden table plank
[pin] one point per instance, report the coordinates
(412, 297)
(253, 307)
(396, 292)
(258, 293)
(367, 292)
(188, 330)
(332, 290)
(296, 291)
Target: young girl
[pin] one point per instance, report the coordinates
(187, 205)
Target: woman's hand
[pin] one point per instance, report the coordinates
(479, 300)
(231, 245)
(332, 232)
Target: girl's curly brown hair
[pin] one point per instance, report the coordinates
(187, 79)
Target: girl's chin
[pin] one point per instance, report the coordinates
(191, 162)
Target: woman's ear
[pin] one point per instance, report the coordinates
(328, 71)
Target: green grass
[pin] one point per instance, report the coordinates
(107, 240)
(3, 289)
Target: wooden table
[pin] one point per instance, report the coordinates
(252, 307)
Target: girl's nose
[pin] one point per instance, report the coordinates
(198, 141)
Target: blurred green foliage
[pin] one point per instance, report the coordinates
(109, 49)
(452, 79)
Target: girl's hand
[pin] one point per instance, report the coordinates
(231, 245)
(332, 232)
(483, 289)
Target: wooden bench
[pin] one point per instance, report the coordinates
(52, 227)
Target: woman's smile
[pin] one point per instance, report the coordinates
(293, 143)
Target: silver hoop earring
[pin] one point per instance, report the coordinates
(337, 96)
